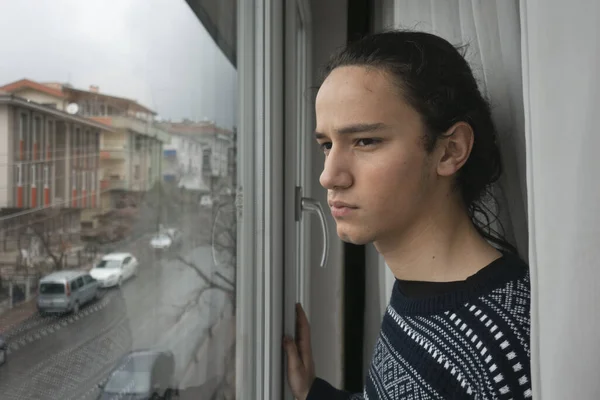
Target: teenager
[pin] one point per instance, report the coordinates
(411, 153)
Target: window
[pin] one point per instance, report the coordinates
(206, 161)
(80, 282)
(145, 99)
(23, 135)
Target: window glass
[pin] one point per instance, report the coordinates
(79, 282)
(90, 103)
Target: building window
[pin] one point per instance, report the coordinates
(136, 172)
(138, 143)
(206, 161)
(22, 136)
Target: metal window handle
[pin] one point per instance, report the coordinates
(313, 206)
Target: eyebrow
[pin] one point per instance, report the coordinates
(356, 128)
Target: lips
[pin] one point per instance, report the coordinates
(341, 209)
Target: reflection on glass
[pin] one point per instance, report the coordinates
(118, 157)
(109, 264)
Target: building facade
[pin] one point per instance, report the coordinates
(130, 156)
(199, 151)
(54, 160)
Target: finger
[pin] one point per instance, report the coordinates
(294, 362)
(303, 336)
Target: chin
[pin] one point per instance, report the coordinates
(358, 238)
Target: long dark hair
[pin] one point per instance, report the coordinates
(435, 79)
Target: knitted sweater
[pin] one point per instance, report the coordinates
(470, 341)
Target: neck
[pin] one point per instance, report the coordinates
(443, 247)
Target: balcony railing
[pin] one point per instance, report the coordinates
(113, 153)
(113, 184)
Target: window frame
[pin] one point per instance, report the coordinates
(260, 197)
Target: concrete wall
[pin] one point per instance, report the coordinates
(41, 98)
(5, 162)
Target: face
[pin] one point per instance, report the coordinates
(378, 176)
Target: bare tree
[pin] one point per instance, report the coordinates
(223, 279)
(42, 229)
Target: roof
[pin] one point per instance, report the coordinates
(21, 102)
(62, 275)
(29, 84)
(116, 256)
(191, 128)
(70, 92)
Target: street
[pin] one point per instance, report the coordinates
(66, 357)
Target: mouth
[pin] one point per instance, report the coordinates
(340, 209)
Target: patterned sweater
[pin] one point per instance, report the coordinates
(462, 340)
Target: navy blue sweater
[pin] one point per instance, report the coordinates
(456, 340)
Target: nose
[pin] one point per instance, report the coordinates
(336, 172)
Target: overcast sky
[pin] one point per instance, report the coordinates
(154, 51)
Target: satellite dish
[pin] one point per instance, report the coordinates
(72, 108)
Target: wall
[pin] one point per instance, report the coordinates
(5, 172)
(41, 98)
(326, 312)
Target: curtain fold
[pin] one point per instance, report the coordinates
(491, 30)
(561, 61)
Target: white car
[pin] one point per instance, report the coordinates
(206, 201)
(166, 240)
(114, 269)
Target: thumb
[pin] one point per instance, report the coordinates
(294, 362)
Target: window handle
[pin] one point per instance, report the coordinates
(314, 206)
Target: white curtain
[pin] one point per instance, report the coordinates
(538, 61)
(562, 97)
(491, 30)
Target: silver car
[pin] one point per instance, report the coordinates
(66, 291)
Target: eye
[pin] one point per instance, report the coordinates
(325, 146)
(365, 142)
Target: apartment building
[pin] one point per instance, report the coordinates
(199, 151)
(54, 159)
(130, 156)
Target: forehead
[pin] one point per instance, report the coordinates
(356, 94)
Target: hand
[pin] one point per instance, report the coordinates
(300, 364)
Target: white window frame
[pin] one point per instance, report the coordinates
(260, 193)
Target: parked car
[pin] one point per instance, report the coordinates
(142, 375)
(206, 201)
(167, 240)
(66, 291)
(3, 350)
(114, 269)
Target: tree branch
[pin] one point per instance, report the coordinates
(229, 281)
(204, 277)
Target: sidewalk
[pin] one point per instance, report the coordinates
(26, 309)
(16, 315)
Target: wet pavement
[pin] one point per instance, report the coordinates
(65, 357)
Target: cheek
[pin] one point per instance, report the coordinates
(392, 182)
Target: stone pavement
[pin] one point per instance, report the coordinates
(16, 315)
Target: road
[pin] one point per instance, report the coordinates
(66, 357)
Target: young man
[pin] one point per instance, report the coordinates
(410, 154)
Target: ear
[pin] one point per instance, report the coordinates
(455, 148)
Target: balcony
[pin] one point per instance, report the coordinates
(113, 153)
(113, 184)
(138, 126)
